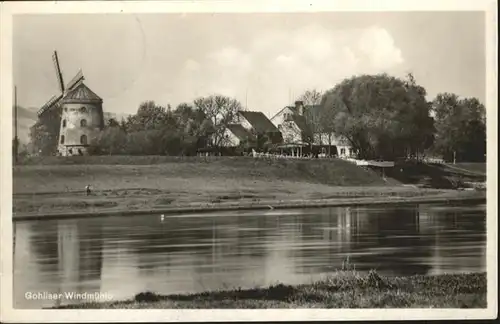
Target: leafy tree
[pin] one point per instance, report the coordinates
(193, 127)
(144, 142)
(111, 140)
(310, 99)
(219, 111)
(460, 127)
(326, 126)
(113, 123)
(381, 116)
(44, 134)
(148, 116)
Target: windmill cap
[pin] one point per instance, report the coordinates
(81, 93)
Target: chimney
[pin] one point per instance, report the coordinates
(299, 107)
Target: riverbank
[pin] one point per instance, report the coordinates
(344, 289)
(454, 197)
(54, 188)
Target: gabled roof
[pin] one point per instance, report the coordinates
(301, 123)
(81, 93)
(259, 122)
(239, 131)
(292, 108)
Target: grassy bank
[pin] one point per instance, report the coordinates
(54, 185)
(345, 289)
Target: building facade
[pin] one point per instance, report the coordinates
(81, 118)
(300, 126)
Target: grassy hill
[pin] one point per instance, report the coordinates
(56, 184)
(331, 172)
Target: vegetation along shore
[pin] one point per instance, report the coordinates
(343, 289)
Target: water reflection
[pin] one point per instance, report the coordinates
(122, 256)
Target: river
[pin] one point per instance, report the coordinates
(122, 256)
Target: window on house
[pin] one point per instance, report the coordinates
(83, 139)
(70, 151)
(62, 139)
(66, 109)
(64, 123)
(83, 123)
(342, 151)
(83, 109)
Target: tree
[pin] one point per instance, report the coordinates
(112, 122)
(311, 97)
(326, 125)
(219, 111)
(381, 116)
(193, 127)
(460, 127)
(149, 116)
(418, 133)
(111, 140)
(44, 136)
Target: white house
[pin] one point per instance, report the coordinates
(299, 127)
(286, 112)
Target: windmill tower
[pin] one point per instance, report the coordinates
(77, 109)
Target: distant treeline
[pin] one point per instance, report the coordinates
(381, 116)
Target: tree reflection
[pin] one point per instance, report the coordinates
(392, 242)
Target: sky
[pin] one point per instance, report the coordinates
(265, 60)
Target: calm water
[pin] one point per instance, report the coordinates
(122, 256)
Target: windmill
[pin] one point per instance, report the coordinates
(73, 115)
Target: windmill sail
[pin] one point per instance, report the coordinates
(76, 79)
(54, 101)
(55, 58)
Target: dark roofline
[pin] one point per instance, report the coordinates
(264, 121)
(75, 87)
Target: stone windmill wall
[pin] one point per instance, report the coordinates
(81, 118)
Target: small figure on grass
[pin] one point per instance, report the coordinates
(88, 190)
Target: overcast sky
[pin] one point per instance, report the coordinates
(264, 60)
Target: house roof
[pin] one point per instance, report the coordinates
(301, 123)
(292, 108)
(81, 93)
(239, 131)
(259, 121)
(308, 109)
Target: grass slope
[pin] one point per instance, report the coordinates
(346, 289)
(436, 175)
(331, 172)
(54, 185)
